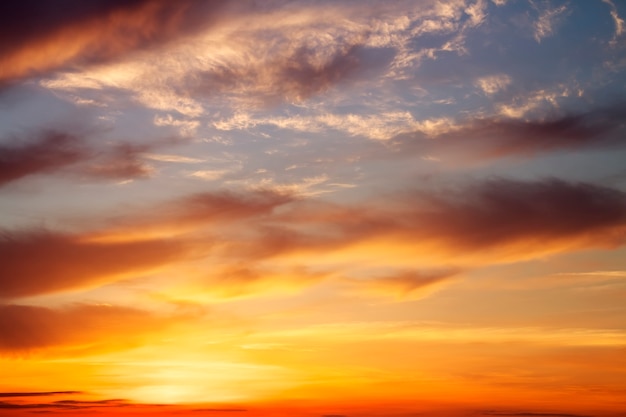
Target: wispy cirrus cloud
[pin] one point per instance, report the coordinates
(617, 20)
(547, 20)
(258, 55)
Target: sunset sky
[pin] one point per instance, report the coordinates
(313, 208)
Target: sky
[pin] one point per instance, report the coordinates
(313, 208)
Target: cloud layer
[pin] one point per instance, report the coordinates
(47, 37)
(497, 220)
(64, 261)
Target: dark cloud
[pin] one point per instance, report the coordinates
(40, 36)
(49, 152)
(37, 394)
(299, 77)
(121, 162)
(226, 205)
(494, 214)
(502, 210)
(294, 75)
(66, 405)
(192, 212)
(593, 129)
(53, 152)
(219, 410)
(501, 137)
(476, 223)
(39, 262)
(531, 414)
(24, 327)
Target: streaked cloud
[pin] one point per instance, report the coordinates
(26, 327)
(511, 137)
(50, 152)
(92, 33)
(66, 261)
(403, 286)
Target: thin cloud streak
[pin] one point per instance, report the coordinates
(37, 394)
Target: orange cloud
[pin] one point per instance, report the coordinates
(404, 285)
(41, 38)
(79, 326)
(495, 221)
(39, 262)
(193, 213)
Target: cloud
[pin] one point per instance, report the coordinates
(294, 74)
(250, 242)
(47, 37)
(530, 414)
(26, 328)
(404, 285)
(229, 206)
(121, 161)
(239, 281)
(547, 21)
(498, 220)
(259, 54)
(64, 405)
(38, 261)
(219, 410)
(493, 83)
(381, 126)
(617, 20)
(50, 152)
(500, 211)
(36, 394)
(489, 138)
(75, 156)
(219, 210)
